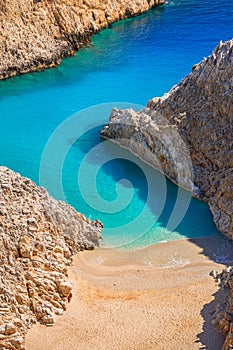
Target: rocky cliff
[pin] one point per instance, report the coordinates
(38, 236)
(188, 133)
(223, 317)
(35, 34)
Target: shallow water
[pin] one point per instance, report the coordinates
(131, 62)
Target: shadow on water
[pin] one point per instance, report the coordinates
(123, 165)
(164, 39)
(197, 220)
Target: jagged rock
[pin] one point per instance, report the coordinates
(191, 128)
(187, 133)
(223, 316)
(38, 236)
(10, 328)
(17, 342)
(38, 34)
(25, 247)
(64, 287)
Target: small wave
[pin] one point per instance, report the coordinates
(173, 262)
(176, 263)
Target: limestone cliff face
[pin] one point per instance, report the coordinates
(35, 34)
(38, 236)
(192, 124)
(200, 111)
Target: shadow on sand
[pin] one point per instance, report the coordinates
(219, 249)
(216, 248)
(210, 338)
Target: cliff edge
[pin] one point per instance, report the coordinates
(38, 236)
(190, 133)
(35, 34)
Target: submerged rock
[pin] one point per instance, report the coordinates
(33, 263)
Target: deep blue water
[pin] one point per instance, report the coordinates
(131, 62)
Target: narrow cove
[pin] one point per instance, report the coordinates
(148, 287)
(33, 106)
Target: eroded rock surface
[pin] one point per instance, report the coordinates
(35, 34)
(190, 125)
(223, 317)
(188, 134)
(38, 236)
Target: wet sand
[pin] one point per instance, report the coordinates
(159, 297)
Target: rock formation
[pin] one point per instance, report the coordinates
(223, 317)
(194, 121)
(35, 34)
(192, 124)
(38, 236)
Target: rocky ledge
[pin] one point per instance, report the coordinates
(38, 236)
(187, 133)
(35, 34)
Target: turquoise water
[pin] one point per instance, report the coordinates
(131, 62)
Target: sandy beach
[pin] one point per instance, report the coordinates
(159, 297)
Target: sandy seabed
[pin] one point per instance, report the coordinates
(159, 297)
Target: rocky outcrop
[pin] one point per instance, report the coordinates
(188, 133)
(35, 34)
(223, 317)
(38, 236)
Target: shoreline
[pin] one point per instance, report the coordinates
(120, 302)
(43, 34)
(181, 121)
